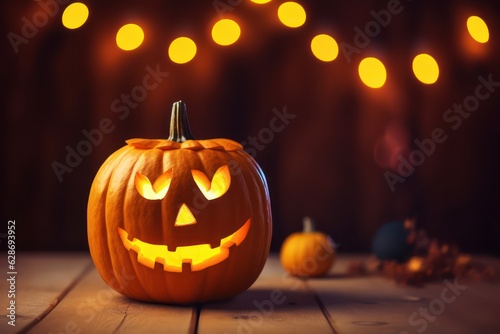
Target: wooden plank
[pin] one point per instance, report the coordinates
(276, 303)
(365, 305)
(377, 305)
(459, 307)
(93, 307)
(41, 280)
(67, 294)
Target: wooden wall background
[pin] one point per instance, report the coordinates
(329, 162)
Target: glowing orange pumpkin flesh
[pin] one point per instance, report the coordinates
(199, 256)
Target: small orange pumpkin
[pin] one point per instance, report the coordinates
(308, 253)
(179, 220)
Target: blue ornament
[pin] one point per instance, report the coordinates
(391, 242)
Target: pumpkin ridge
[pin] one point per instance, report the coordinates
(256, 178)
(102, 215)
(138, 157)
(110, 250)
(104, 242)
(143, 283)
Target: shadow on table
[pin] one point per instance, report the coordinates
(298, 299)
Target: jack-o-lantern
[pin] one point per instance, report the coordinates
(179, 220)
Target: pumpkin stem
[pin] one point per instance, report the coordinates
(308, 225)
(179, 124)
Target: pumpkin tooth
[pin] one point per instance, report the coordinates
(215, 244)
(159, 264)
(171, 248)
(187, 266)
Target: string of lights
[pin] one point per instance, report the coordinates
(324, 47)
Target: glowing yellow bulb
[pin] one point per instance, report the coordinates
(129, 37)
(372, 72)
(75, 15)
(478, 29)
(292, 14)
(182, 50)
(260, 2)
(226, 32)
(324, 47)
(425, 68)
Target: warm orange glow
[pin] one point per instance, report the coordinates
(292, 14)
(324, 47)
(415, 264)
(75, 15)
(199, 256)
(425, 68)
(478, 29)
(219, 185)
(182, 50)
(184, 217)
(129, 37)
(372, 72)
(156, 191)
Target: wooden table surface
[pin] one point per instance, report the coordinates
(63, 293)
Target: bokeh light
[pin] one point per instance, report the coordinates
(292, 14)
(478, 29)
(182, 50)
(392, 145)
(260, 2)
(129, 37)
(425, 68)
(372, 72)
(75, 15)
(226, 32)
(324, 47)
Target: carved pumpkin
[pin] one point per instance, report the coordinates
(179, 220)
(308, 253)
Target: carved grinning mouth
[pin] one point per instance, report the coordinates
(199, 256)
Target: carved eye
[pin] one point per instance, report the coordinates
(158, 190)
(217, 187)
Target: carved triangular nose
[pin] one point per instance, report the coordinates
(184, 217)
